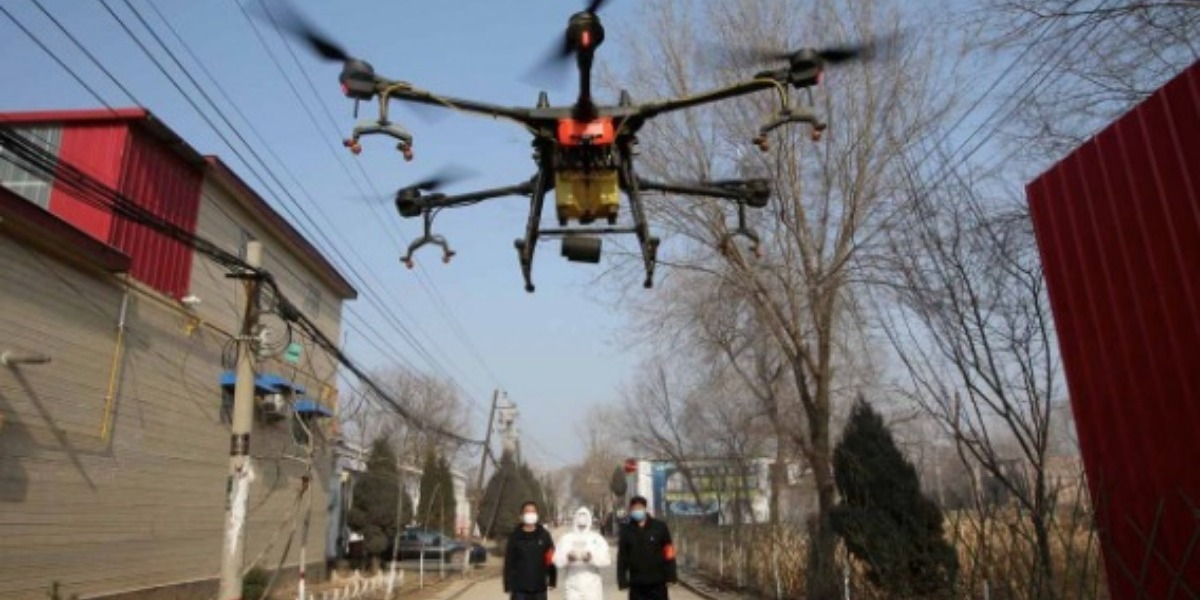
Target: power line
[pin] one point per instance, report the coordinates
(128, 93)
(427, 284)
(87, 188)
(404, 330)
(85, 51)
(383, 308)
(54, 56)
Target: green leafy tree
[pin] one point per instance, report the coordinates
(378, 499)
(883, 517)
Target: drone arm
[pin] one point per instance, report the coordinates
(762, 82)
(751, 192)
(439, 201)
(393, 90)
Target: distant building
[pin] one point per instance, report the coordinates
(729, 490)
(350, 461)
(116, 379)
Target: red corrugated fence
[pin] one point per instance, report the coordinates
(1118, 228)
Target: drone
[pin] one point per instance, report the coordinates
(584, 152)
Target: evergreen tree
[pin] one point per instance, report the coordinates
(883, 517)
(447, 503)
(503, 495)
(376, 495)
(426, 511)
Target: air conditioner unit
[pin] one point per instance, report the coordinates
(273, 405)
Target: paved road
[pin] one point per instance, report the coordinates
(493, 590)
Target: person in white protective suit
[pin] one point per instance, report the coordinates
(580, 555)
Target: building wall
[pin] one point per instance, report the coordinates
(224, 221)
(140, 503)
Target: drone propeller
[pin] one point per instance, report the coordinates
(291, 21)
(829, 55)
(441, 178)
(556, 60)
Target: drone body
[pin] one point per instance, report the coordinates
(584, 153)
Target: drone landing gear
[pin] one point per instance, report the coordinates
(526, 246)
(381, 126)
(649, 244)
(726, 244)
(428, 238)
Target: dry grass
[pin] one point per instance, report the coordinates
(995, 552)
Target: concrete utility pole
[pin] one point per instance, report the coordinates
(508, 419)
(241, 472)
(487, 442)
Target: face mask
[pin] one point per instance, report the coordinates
(529, 518)
(637, 515)
(582, 522)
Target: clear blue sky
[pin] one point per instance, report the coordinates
(555, 352)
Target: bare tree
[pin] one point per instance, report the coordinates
(590, 479)
(432, 402)
(971, 324)
(660, 420)
(1084, 62)
(829, 197)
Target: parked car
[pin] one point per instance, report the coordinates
(416, 543)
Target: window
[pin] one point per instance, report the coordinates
(15, 173)
(312, 301)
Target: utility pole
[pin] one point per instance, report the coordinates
(487, 449)
(487, 443)
(240, 470)
(508, 417)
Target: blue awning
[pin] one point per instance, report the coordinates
(306, 405)
(265, 383)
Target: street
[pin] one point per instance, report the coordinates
(492, 589)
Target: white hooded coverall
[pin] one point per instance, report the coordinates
(579, 555)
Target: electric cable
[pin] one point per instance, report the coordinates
(97, 193)
(346, 263)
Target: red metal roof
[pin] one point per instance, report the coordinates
(37, 225)
(145, 121)
(140, 117)
(1118, 229)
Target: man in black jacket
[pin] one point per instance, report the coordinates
(645, 555)
(529, 569)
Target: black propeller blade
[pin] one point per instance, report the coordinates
(555, 62)
(288, 19)
(442, 177)
(830, 55)
(409, 200)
